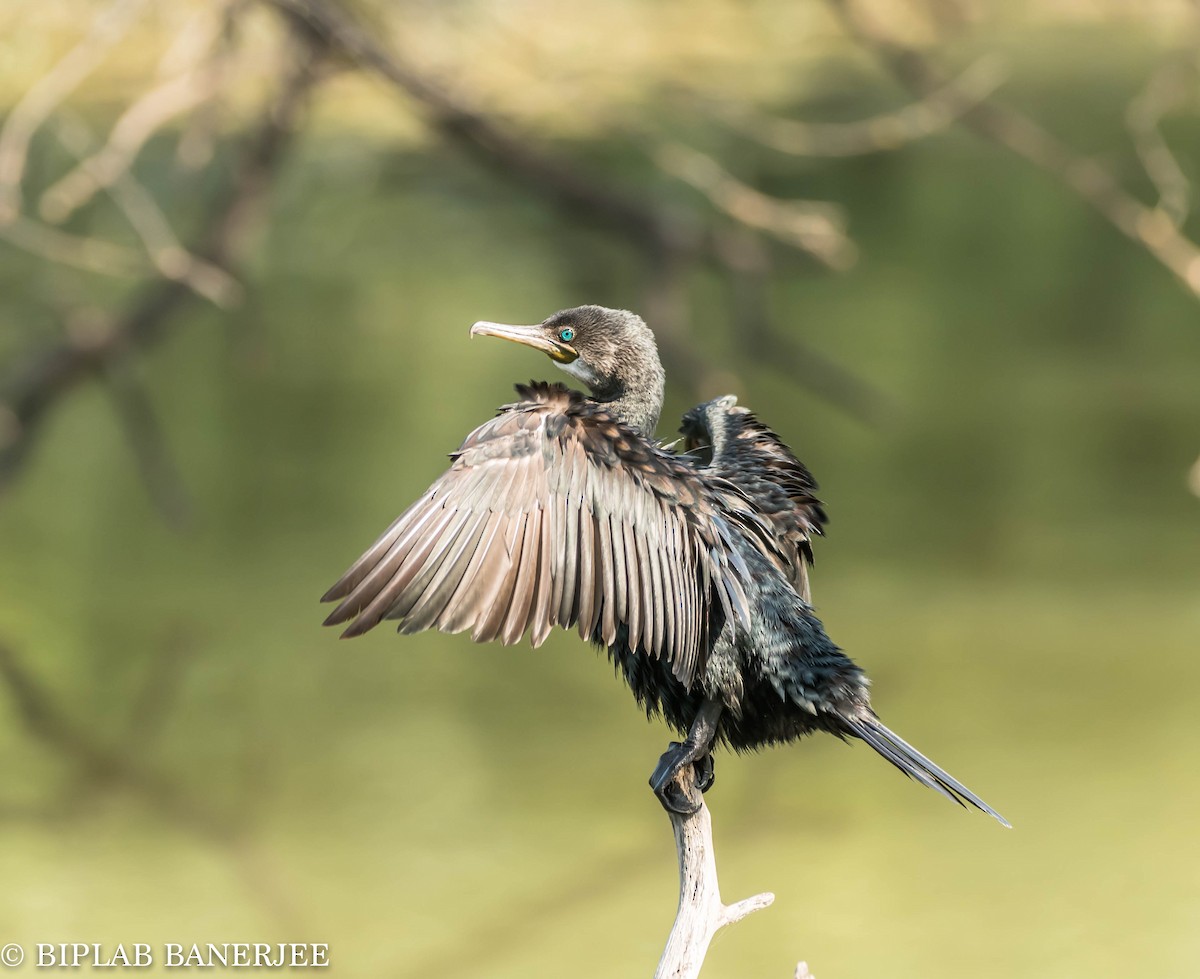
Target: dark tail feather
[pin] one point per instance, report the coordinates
(915, 765)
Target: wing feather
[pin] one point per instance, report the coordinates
(553, 514)
(589, 603)
(605, 575)
(633, 587)
(517, 620)
(492, 619)
(464, 604)
(431, 602)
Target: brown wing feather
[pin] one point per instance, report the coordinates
(553, 513)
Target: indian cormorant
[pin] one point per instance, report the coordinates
(692, 572)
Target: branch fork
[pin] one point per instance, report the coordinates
(701, 911)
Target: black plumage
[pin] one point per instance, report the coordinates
(690, 570)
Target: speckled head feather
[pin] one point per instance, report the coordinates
(617, 360)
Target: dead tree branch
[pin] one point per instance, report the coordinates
(77, 251)
(96, 764)
(1152, 229)
(1166, 89)
(888, 131)
(49, 92)
(653, 228)
(37, 386)
(102, 169)
(815, 227)
(701, 912)
(163, 248)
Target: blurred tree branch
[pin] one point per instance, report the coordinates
(810, 226)
(1154, 229)
(36, 386)
(98, 767)
(1158, 229)
(109, 25)
(669, 236)
(102, 345)
(934, 112)
(197, 84)
(166, 254)
(1166, 90)
(63, 248)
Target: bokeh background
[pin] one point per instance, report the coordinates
(945, 247)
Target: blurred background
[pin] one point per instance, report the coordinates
(945, 247)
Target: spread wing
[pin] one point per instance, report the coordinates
(799, 516)
(553, 513)
(756, 461)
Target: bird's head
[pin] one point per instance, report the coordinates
(612, 351)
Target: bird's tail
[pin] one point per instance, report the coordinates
(915, 765)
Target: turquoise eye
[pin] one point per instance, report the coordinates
(566, 334)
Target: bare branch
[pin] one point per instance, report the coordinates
(747, 262)
(1149, 228)
(1165, 90)
(663, 233)
(48, 723)
(160, 689)
(31, 391)
(1194, 478)
(519, 158)
(160, 475)
(932, 114)
(77, 251)
(701, 912)
(166, 254)
(102, 169)
(815, 227)
(49, 91)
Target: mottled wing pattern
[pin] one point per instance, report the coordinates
(554, 513)
(783, 491)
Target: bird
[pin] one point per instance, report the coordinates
(690, 569)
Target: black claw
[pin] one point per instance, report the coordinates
(674, 800)
(705, 772)
(663, 782)
(667, 766)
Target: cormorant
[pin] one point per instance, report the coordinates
(691, 572)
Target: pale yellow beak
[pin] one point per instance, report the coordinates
(530, 336)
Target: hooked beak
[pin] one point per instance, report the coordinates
(530, 336)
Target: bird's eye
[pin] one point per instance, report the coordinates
(566, 334)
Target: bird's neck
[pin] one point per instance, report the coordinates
(632, 387)
(637, 401)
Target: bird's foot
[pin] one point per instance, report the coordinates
(705, 771)
(666, 786)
